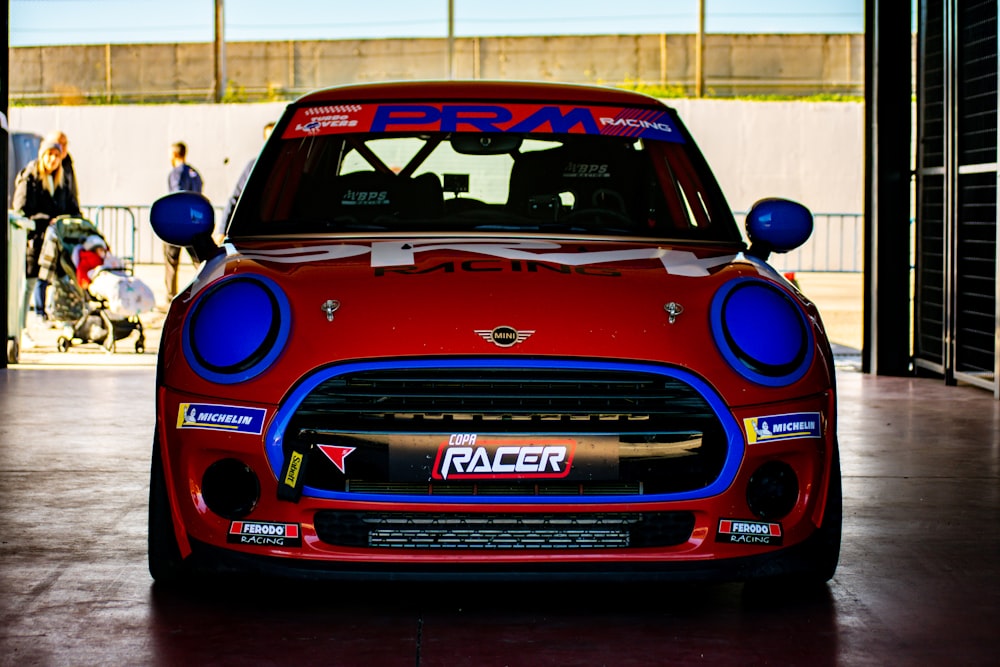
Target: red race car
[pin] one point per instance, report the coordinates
(495, 330)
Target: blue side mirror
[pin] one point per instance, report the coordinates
(777, 225)
(182, 218)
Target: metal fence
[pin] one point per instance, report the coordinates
(119, 227)
(128, 232)
(836, 245)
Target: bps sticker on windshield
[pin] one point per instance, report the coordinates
(480, 117)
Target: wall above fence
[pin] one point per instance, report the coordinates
(734, 65)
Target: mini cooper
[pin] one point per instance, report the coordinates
(491, 330)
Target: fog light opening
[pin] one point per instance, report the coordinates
(230, 488)
(773, 490)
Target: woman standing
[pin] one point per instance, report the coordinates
(42, 192)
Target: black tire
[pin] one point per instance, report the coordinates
(823, 549)
(827, 538)
(817, 562)
(165, 563)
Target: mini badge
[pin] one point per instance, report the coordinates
(782, 427)
(233, 418)
(738, 531)
(505, 336)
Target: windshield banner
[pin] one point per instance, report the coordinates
(482, 117)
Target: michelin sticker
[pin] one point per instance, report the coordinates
(232, 418)
(782, 427)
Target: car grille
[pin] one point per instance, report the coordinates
(495, 490)
(664, 435)
(403, 530)
(525, 400)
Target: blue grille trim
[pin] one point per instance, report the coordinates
(734, 435)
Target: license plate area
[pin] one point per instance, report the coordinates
(503, 464)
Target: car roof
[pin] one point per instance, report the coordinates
(509, 91)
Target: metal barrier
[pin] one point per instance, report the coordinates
(118, 226)
(836, 245)
(128, 231)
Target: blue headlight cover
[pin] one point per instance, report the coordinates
(761, 332)
(236, 329)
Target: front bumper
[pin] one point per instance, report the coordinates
(796, 560)
(705, 546)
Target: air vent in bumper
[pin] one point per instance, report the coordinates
(410, 530)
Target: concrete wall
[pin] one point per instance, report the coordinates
(810, 152)
(121, 153)
(733, 65)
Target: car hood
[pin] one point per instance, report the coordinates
(352, 299)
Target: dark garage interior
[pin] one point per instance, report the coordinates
(919, 430)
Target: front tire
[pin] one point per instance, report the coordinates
(165, 563)
(827, 539)
(822, 551)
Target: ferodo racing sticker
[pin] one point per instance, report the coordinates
(482, 117)
(741, 531)
(265, 534)
(470, 456)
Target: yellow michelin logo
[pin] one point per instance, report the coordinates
(215, 417)
(782, 427)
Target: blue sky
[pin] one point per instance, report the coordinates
(53, 22)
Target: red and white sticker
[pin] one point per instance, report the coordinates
(743, 531)
(469, 456)
(490, 117)
(264, 534)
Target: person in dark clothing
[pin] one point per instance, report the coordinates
(42, 193)
(182, 177)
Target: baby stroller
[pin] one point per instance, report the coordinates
(86, 318)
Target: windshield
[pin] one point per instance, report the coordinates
(323, 176)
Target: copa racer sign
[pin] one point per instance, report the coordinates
(480, 117)
(467, 456)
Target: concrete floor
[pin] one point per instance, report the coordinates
(918, 584)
